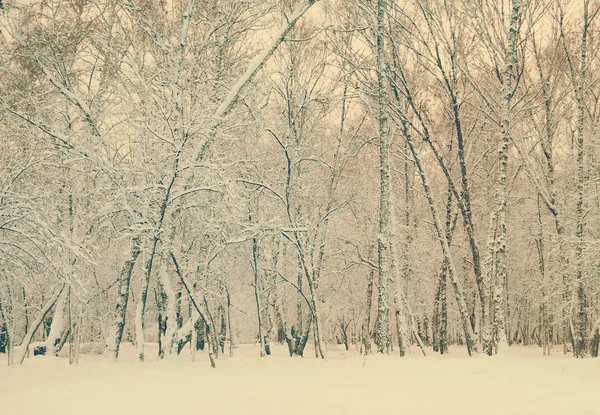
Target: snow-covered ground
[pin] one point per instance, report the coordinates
(345, 383)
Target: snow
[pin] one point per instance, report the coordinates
(522, 382)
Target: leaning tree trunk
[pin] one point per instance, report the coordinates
(314, 300)
(36, 324)
(470, 339)
(246, 78)
(199, 308)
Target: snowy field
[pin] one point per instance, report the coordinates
(345, 383)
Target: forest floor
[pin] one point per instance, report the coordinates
(522, 382)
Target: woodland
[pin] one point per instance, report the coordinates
(386, 176)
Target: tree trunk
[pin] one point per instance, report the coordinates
(443, 323)
(169, 298)
(382, 323)
(500, 339)
(229, 322)
(140, 311)
(257, 295)
(399, 303)
(113, 342)
(57, 328)
(299, 299)
(34, 326)
(544, 337)
(458, 291)
(435, 322)
(161, 320)
(581, 335)
(74, 354)
(367, 332)
(201, 311)
(8, 335)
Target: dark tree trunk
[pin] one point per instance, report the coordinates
(162, 322)
(3, 337)
(200, 328)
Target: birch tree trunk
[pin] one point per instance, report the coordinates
(382, 323)
(488, 279)
(450, 77)
(470, 339)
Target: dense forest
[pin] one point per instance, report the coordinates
(390, 176)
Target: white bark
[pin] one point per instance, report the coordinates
(251, 71)
(470, 339)
(382, 323)
(171, 334)
(58, 325)
(500, 340)
(34, 326)
(399, 300)
(113, 341)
